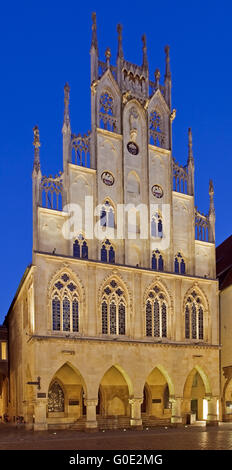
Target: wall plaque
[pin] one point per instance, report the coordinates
(133, 148)
(41, 395)
(107, 178)
(157, 191)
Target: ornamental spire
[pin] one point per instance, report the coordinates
(211, 194)
(36, 144)
(145, 61)
(167, 60)
(120, 50)
(94, 42)
(190, 146)
(66, 124)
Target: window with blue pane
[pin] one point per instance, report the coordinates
(80, 248)
(157, 262)
(179, 264)
(156, 323)
(113, 309)
(65, 304)
(107, 252)
(156, 226)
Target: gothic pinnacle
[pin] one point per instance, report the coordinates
(211, 194)
(145, 61)
(94, 31)
(190, 145)
(36, 144)
(66, 123)
(167, 69)
(108, 56)
(120, 50)
(157, 77)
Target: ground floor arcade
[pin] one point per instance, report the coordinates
(111, 385)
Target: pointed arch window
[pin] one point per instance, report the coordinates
(156, 314)
(194, 317)
(113, 309)
(157, 261)
(179, 264)
(107, 252)
(107, 119)
(156, 226)
(156, 134)
(80, 248)
(65, 305)
(107, 215)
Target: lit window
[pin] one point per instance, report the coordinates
(65, 305)
(4, 351)
(113, 310)
(156, 313)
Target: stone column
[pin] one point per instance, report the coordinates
(212, 417)
(28, 414)
(40, 423)
(176, 411)
(91, 421)
(136, 420)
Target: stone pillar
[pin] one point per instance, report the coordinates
(28, 414)
(40, 423)
(176, 411)
(91, 421)
(212, 417)
(136, 420)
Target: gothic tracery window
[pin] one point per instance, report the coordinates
(55, 398)
(107, 215)
(113, 309)
(194, 313)
(80, 248)
(65, 305)
(157, 136)
(156, 226)
(107, 119)
(157, 262)
(156, 313)
(179, 264)
(107, 252)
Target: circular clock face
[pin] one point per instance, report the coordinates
(157, 191)
(133, 148)
(107, 178)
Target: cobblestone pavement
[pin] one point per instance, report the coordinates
(186, 438)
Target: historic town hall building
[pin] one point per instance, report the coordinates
(122, 329)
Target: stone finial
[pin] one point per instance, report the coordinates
(36, 144)
(36, 141)
(211, 213)
(94, 42)
(190, 145)
(66, 124)
(157, 78)
(145, 60)
(167, 69)
(211, 188)
(120, 50)
(108, 56)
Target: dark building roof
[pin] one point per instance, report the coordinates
(224, 263)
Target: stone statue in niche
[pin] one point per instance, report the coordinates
(133, 122)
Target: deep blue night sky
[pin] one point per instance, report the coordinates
(45, 44)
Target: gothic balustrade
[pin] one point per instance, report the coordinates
(81, 149)
(180, 176)
(51, 189)
(201, 226)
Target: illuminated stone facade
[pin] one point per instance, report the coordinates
(121, 331)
